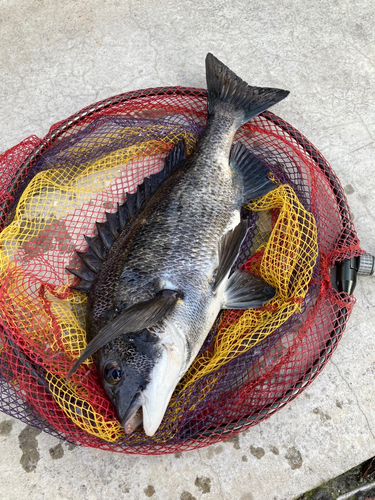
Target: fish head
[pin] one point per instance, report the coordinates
(142, 370)
(125, 367)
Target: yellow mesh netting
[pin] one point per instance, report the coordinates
(48, 227)
(78, 409)
(288, 258)
(39, 244)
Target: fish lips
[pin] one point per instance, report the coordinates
(129, 421)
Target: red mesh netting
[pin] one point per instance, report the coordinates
(141, 127)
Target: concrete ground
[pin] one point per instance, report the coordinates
(57, 57)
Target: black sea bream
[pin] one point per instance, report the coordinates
(157, 273)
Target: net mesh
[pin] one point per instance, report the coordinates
(252, 362)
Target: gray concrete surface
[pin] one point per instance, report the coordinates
(57, 57)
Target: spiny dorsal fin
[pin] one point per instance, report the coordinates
(175, 157)
(228, 250)
(113, 224)
(254, 173)
(90, 259)
(85, 275)
(83, 286)
(133, 319)
(246, 291)
(105, 234)
(109, 230)
(123, 215)
(131, 202)
(96, 246)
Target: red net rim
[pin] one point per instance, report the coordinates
(215, 434)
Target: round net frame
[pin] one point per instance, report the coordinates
(258, 381)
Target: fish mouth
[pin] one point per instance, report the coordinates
(133, 416)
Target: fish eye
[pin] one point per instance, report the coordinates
(112, 372)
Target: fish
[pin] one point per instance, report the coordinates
(158, 272)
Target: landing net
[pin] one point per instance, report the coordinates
(52, 191)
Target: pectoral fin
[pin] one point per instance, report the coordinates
(133, 319)
(246, 291)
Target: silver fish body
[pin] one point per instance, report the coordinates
(166, 276)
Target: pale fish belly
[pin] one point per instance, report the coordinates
(181, 337)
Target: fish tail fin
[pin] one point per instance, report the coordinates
(228, 93)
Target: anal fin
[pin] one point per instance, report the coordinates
(254, 173)
(246, 291)
(228, 250)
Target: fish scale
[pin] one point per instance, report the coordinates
(154, 248)
(166, 276)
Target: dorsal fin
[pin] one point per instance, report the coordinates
(85, 275)
(105, 234)
(113, 223)
(109, 230)
(91, 260)
(123, 215)
(96, 246)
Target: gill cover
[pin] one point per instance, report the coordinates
(133, 319)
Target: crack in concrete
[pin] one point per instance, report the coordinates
(214, 473)
(365, 146)
(360, 52)
(365, 125)
(355, 396)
